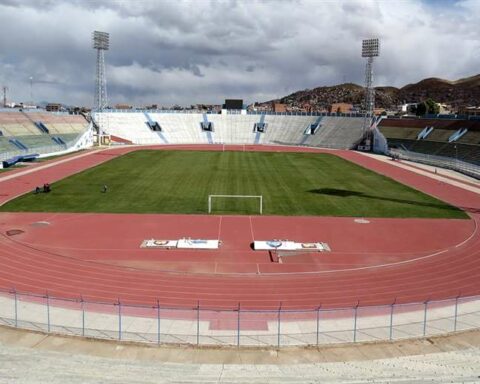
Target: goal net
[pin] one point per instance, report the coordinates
(235, 204)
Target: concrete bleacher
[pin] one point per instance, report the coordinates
(180, 128)
(78, 363)
(128, 126)
(23, 124)
(39, 132)
(338, 132)
(403, 134)
(287, 129)
(185, 128)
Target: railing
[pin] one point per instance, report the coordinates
(198, 325)
(233, 112)
(439, 161)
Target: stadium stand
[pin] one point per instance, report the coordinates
(338, 132)
(458, 139)
(30, 363)
(129, 126)
(187, 128)
(26, 132)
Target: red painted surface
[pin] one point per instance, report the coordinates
(98, 256)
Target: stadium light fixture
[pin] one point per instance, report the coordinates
(370, 48)
(101, 40)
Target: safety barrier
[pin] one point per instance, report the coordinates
(239, 326)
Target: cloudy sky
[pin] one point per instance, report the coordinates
(195, 51)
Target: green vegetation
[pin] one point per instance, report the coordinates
(148, 181)
(427, 107)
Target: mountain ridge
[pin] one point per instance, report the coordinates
(458, 93)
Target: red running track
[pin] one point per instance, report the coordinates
(98, 256)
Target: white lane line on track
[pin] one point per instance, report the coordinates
(48, 165)
(251, 227)
(219, 227)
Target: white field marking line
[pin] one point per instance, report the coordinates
(71, 216)
(32, 247)
(31, 251)
(315, 272)
(219, 227)
(470, 237)
(251, 227)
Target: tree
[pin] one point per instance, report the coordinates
(432, 107)
(427, 107)
(421, 109)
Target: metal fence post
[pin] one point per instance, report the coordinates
(238, 326)
(355, 323)
(318, 323)
(425, 318)
(16, 307)
(158, 321)
(391, 321)
(198, 322)
(83, 315)
(48, 313)
(456, 314)
(279, 322)
(119, 320)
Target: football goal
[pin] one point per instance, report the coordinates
(224, 203)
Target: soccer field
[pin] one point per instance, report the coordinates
(148, 181)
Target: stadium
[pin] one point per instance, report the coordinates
(240, 228)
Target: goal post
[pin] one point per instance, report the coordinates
(258, 197)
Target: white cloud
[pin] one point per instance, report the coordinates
(187, 52)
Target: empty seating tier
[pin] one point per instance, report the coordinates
(186, 128)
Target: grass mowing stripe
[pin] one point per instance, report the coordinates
(148, 181)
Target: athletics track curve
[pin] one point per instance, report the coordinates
(97, 256)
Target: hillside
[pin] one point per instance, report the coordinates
(459, 93)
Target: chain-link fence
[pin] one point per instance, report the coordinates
(157, 324)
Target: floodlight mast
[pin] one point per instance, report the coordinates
(101, 42)
(370, 49)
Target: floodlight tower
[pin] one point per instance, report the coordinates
(31, 90)
(101, 42)
(5, 89)
(370, 49)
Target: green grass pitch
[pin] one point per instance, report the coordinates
(149, 181)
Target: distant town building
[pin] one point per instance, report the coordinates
(123, 106)
(470, 111)
(445, 109)
(341, 108)
(408, 108)
(53, 107)
(279, 107)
